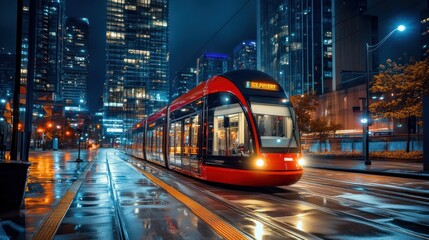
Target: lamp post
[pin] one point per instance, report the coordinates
(366, 118)
(78, 159)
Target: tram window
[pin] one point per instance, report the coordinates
(229, 133)
(153, 147)
(133, 142)
(140, 146)
(194, 135)
(184, 136)
(159, 135)
(178, 143)
(153, 144)
(275, 125)
(175, 143)
(149, 143)
(186, 142)
(171, 141)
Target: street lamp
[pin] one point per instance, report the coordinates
(366, 118)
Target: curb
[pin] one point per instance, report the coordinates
(421, 176)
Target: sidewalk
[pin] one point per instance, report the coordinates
(102, 197)
(394, 168)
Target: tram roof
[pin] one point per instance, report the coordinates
(249, 82)
(242, 79)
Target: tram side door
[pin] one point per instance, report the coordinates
(190, 143)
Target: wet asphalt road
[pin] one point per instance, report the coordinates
(323, 204)
(117, 201)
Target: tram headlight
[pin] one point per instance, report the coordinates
(301, 161)
(260, 162)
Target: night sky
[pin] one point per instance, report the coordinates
(194, 22)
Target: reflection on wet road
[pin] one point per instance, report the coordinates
(344, 206)
(117, 201)
(114, 201)
(149, 212)
(50, 176)
(324, 204)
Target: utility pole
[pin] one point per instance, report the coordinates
(426, 133)
(78, 159)
(18, 49)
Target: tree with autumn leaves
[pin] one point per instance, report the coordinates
(403, 87)
(304, 106)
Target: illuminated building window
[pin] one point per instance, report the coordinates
(160, 23)
(115, 35)
(130, 7)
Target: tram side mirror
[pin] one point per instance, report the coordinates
(226, 122)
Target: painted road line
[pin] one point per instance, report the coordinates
(50, 225)
(223, 228)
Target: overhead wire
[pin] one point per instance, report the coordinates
(381, 19)
(198, 51)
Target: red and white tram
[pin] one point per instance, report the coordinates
(235, 128)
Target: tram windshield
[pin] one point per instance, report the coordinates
(275, 125)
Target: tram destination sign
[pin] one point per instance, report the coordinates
(262, 85)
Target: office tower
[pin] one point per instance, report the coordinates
(182, 82)
(49, 48)
(210, 64)
(424, 32)
(354, 27)
(137, 62)
(245, 55)
(7, 75)
(76, 61)
(295, 44)
(7, 78)
(48, 25)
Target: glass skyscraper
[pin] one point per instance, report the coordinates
(210, 64)
(76, 61)
(424, 32)
(295, 44)
(49, 48)
(137, 62)
(7, 75)
(353, 28)
(49, 34)
(183, 82)
(245, 55)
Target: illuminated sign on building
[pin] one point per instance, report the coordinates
(262, 86)
(114, 130)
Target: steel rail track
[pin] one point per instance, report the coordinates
(279, 227)
(412, 196)
(276, 199)
(119, 220)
